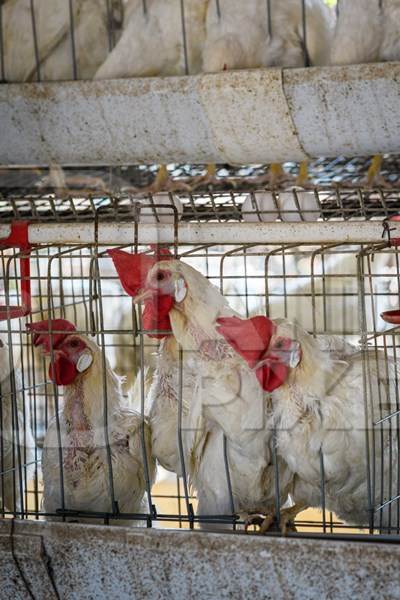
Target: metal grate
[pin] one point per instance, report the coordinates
(261, 206)
(327, 289)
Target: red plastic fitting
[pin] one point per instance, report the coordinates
(19, 238)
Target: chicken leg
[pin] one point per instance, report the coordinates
(374, 176)
(266, 522)
(303, 176)
(273, 178)
(209, 178)
(163, 183)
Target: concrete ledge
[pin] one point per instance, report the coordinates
(256, 116)
(93, 562)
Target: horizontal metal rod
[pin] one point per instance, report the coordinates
(209, 233)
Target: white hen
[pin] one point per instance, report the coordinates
(53, 37)
(246, 35)
(319, 408)
(78, 449)
(366, 31)
(16, 459)
(153, 43)
(220, 394)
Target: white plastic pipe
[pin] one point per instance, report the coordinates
(210, 233)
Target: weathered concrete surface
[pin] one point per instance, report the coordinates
(353, 110)
(257, 116)
(89, 562)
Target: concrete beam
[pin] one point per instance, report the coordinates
(242, 117)
(86, 562)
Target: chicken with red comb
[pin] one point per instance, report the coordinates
(88, 482)
(221, 395)
(132, 270)
(318, 409)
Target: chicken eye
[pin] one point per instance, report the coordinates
(74, 343)
(160, 276)
(279, 344)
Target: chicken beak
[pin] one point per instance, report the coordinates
(143, 296)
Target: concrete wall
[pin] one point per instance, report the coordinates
(94, 562)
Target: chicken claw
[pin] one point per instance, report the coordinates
(264, 522)
(268, 523)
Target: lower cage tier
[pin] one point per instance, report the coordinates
(332, 279)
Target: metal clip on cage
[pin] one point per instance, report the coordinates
(19, 238)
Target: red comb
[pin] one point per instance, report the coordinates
(132, 269)
(272, 374)
(249, 338)
(41, 335)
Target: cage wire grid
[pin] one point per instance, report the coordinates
(346, 286)
(227, 206)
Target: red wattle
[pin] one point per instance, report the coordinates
(272, 375)
(62, 371)
(156, 315)
(251, 339)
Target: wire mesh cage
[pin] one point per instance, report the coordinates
(291, 205)
(129, 396)
(334, 291)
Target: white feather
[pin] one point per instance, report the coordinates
(52, 20)
(240, 39)
(267, 207)
(161, 208)
(152, 44)
(365, 33)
